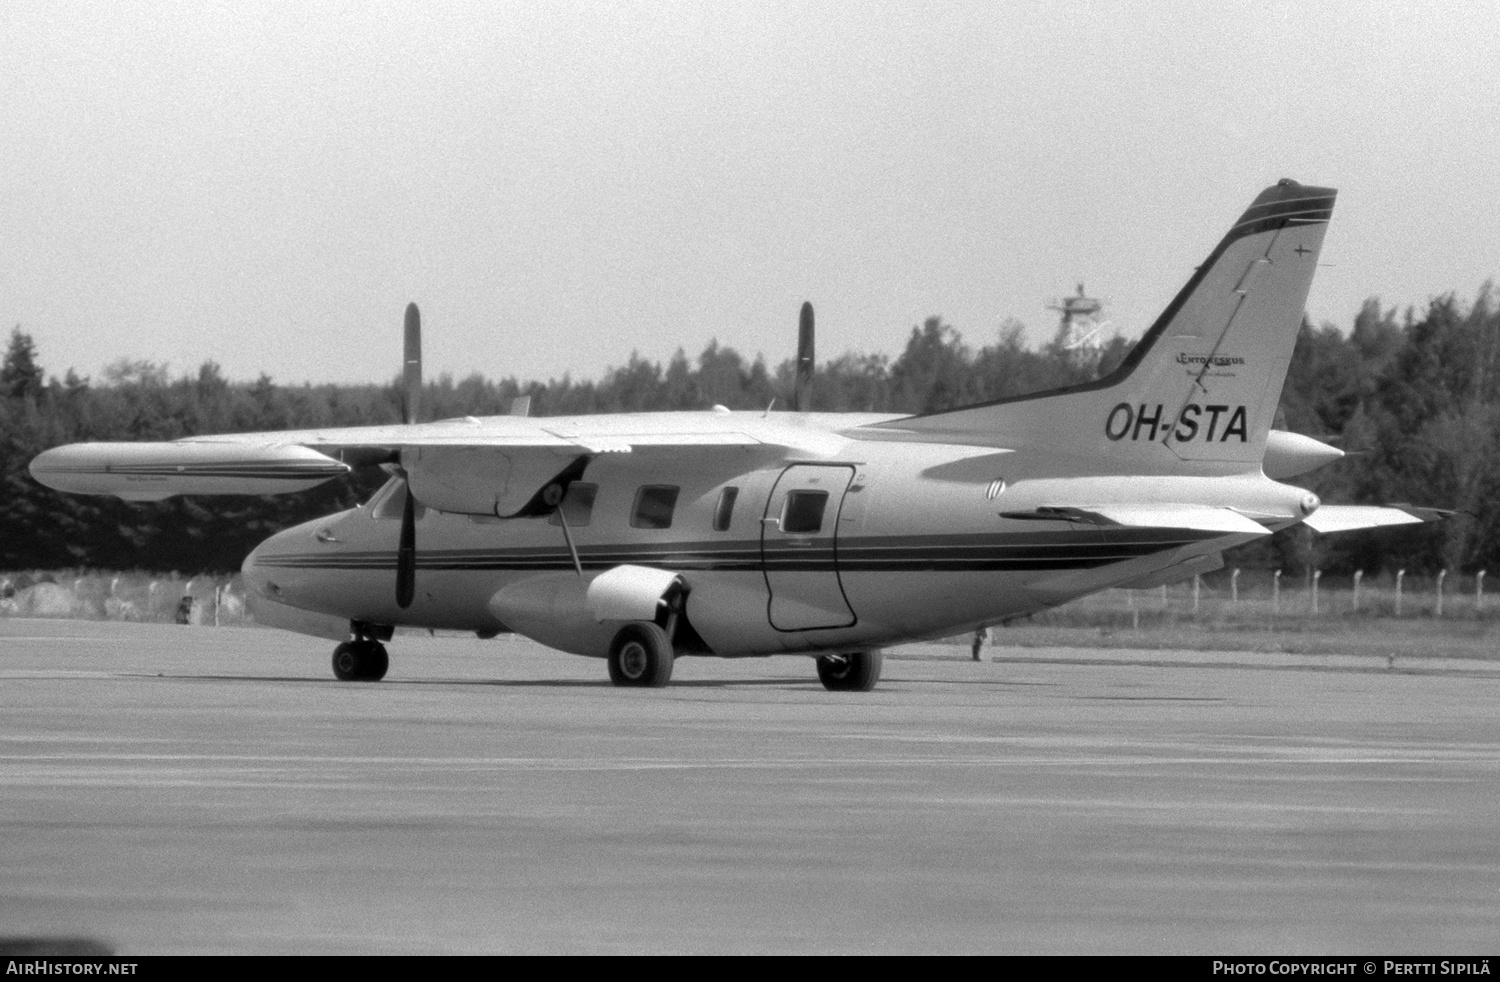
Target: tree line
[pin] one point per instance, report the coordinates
(1413, 398)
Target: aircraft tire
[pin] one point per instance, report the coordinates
(346, 662)
(376, 662)
(360, 661)
(854, 671)
(641, 655)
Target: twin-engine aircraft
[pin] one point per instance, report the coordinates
(639, 538)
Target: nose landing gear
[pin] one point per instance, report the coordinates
(362, 660)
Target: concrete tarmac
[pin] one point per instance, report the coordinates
(191, 790)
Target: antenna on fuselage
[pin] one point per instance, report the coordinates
(411, 406)
(802, 385)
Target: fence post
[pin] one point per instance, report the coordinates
(1276, 593)
(1196, 580)
(1442, 575)
(1234, 586)
(1479, 591)
(1400, 575)
(1135, 612)
(1163, 596)
(217, 591)
(1359, 574)
(1317, 575)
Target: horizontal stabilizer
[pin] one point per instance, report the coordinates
(154, 471)
(1200, 518)
(1347, 518)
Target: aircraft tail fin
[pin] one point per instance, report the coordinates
(1203, 383)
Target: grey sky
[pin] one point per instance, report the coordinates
(558, 184)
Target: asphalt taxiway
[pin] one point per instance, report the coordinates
(190, 790)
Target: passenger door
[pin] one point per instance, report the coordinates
(799, 548)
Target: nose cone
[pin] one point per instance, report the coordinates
(312, 567)
(289, 566)
(260, 567)
(283, 592)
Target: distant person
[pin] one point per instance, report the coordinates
(185, 610)
(979, 638)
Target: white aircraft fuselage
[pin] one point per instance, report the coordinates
(911, 542)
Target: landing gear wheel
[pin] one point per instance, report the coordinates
(376, 662)
(360, 661)
(856, 671)
(641, 655)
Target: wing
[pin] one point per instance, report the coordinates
(1347, 518)
(491, 466)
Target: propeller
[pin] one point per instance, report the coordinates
(411, 404)
(406, 553)
(802, 388)
(411, 397)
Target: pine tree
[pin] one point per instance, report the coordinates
(20, 376)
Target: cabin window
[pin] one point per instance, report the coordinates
(390, 500)
(725, 510)
(577, 505)
(802, 512)
(653, 507)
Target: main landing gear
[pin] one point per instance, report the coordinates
(362, 660)
(641, 655)
(854, 671)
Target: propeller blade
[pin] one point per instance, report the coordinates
(411, 408)
(803, 385)
(406, 553)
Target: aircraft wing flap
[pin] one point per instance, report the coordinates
(1347, 518)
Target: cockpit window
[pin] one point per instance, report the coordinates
(390, 500)
(802, 512)
(577, 505)
(653, 507)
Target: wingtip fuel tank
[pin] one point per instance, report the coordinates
(155, 471)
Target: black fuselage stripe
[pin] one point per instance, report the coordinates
(822, 557)
(566, 563)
